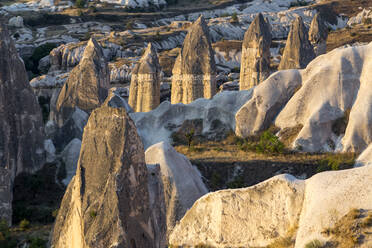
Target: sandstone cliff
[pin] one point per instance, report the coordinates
(21, 123)
(298, 50)
(255, 61)
(107, 202)
(194, 72)
(144, 93)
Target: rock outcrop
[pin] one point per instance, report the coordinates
(144, 93)
(251, 217)
(298, 50)
(107, 202)
(87, 84)
(318, 34)
(217, 115)
(182, 182)
(194, 72)
(21, 123)
(330, 103)
(255, 61)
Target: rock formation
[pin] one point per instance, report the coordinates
(86, 86)
(271, 211)
(21, 123)
(194, 72)
(182, 183)
(249, 217)
(298, 50)
(318, 34)
(107, 202)
(329, 102)
(217, 115)
(144, 93)
(255, 61)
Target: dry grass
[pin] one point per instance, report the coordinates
(338, 38)
(285, 242)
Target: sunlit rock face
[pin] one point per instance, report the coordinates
(298, 50)
(144, 93)
(255, 62)
(21, 123)
(194, 72)
(107, 202)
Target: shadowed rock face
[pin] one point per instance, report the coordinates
(255, 65)
(298, 50)
(107, 203)
(194, 72)
(86, 86)
(144, 94)
(318, 34)
(21, 125)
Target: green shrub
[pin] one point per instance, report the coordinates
(80, 3)
(24, 224)
(37, 243)
(190, 136)
(40, 52)
(234, 17)
(93, 214)
(5, 238)
(238, 182)
(298, 3)
(269, 143)
(314, 244)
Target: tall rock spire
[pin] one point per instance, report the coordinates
(194, 72)
(298, 50)
(255, 65)
(87, 84)
(144, 94)
(21, 123)
(318, 34)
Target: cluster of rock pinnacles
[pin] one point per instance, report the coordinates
(123, 219)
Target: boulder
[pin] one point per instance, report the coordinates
(318, 34)
(86, 86)
(298, 50)
(252, 217)
(16, 21)
(255, 61)
(182, 182)
(144, 93)
(21, 123)
(194, 72)
(107, 202)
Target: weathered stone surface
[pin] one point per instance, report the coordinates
(70, 158)
(21, 123)
(194, 72)
(114, 100)
(251, 217)
(86, 86)
(298, 50)
(107, 202)
(255, 61)
(266, 103)
(144, 93)
(318, 34)
(182, 182)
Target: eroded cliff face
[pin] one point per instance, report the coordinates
(318, 34)
(107, 202)
(255, 62)
(86, 86)
(298, 50)
(21, 123)
(144, 94)
(194, 72)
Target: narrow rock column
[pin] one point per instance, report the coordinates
(255, 63)
(298, 50)
(144, 93)
(318, 34)
(194, 72)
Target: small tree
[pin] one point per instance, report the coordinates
(234, 17)
(80, 4)
(190, 136)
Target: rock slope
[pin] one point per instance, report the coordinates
(144, 93)
(21, 123)
(318, 34)
(298, 50)
(330, 102)
(182, 182)
(194, 72)
(107, 202)
(255, 61)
